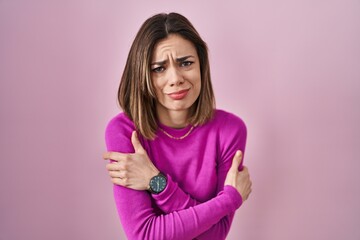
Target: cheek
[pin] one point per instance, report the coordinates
(194, 77)
(197, 82)
(157, 86)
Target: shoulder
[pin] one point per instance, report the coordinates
(118, 131)
(121, 122)
(227, 120)
(231, 129)
(232, 134)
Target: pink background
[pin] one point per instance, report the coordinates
(290, 69)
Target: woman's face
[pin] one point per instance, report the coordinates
(175, 74)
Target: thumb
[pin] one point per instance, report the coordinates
(135, 142)
(236, 160)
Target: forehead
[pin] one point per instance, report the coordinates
(173, 45)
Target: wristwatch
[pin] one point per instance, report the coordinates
(157, 183)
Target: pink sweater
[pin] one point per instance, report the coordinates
(195, 204)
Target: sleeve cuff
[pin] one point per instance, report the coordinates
(168, 191)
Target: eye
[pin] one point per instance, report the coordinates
(158, 69)
(186, 63)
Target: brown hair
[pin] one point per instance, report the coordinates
(136, 94)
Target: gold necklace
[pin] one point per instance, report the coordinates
(177, 138)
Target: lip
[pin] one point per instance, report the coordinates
(179, 94)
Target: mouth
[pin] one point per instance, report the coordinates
(179, 94)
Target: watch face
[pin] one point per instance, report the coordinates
(158, 183)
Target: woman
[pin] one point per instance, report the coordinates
(175, 158)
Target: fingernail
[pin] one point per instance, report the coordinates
(238, 153)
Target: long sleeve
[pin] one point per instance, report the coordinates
(140, 221)
(233, 138)
(173, 198)
(140, 217)
(180, 200)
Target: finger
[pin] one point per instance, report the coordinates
(236, 160)
(120, 181)
(244, 170)
(136, 143)
(113, 167)
(116, 156)
(117, 181)
(117, 174)
(248, 194)
(114, 174)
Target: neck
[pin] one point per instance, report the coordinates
(174, 119)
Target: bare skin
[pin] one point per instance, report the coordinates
(239, 179)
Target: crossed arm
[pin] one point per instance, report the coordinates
(185, 217)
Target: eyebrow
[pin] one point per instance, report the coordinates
(181, 59)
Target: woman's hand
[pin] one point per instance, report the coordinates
(239, 179)
(131, 170)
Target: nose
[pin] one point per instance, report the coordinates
(175, 77)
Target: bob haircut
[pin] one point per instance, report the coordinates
(136, 93)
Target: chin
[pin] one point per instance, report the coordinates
(178, 108)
